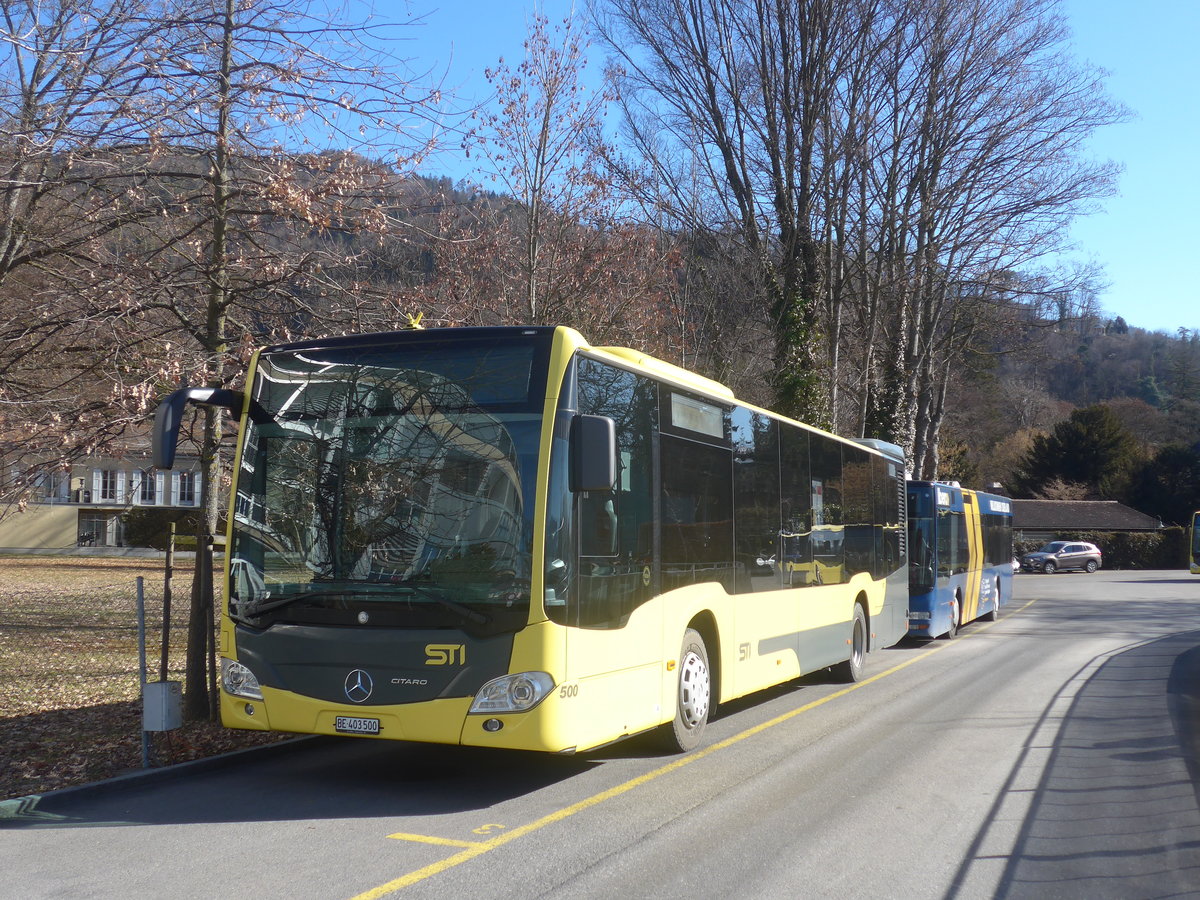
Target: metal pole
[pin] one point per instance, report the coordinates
(210, 627)
(166, 632)
(141, 620)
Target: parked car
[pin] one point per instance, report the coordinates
(1063, 555)
(1016, 564)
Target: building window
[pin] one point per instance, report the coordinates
(187, 488)
(147, 492)
(50, 487)
(101, 529)
(91, 529)
(108, 485)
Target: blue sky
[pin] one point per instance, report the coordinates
(1146, 236)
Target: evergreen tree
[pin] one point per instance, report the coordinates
(1185, 366)
(1168, 486)
(1091, 448)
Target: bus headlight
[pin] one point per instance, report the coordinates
(513, 693)
(239, 681)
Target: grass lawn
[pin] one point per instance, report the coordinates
(70, 708)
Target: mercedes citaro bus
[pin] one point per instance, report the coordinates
(506, 537)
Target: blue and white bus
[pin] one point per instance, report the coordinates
(960, 557)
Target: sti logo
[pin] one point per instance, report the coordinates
(445, 654)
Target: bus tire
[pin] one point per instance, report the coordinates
(994, 615)
(954, 620)
(852, 669)
(693, 696)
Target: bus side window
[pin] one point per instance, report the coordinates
(697, 515)
(614, 527)
(796, 510)
(962, 551)
(828, 523)
(946, 541)
(858, 542)
(757, 527)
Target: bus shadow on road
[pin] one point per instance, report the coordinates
(1107, 790)
(336, 778)
(315, 778)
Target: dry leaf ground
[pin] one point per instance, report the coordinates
(70, 708)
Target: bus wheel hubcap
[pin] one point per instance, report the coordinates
(693, 690)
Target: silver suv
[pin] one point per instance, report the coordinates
(1063, 555)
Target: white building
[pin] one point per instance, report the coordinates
(84, 507)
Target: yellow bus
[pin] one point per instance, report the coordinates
(506, 537)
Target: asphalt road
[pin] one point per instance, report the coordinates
(1051, 754)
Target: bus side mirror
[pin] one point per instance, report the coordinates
(593, 453)
(169, 415)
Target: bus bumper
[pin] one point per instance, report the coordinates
(436, 721)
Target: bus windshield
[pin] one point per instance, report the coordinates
(388, 485)
(922, 541)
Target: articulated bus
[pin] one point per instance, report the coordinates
(506, 537)
(1194, 545)
(960, 557)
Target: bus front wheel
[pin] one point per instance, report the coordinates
(693, 695)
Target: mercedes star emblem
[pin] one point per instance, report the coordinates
(359, 686)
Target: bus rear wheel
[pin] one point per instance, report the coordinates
(852, 669)
(693, 696)
(954, 620)
(994, 615)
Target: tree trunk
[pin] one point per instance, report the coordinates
(198, 703)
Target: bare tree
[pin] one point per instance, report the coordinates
(551, 247)
(889, 163)
(991, 174)
(541, 148)
(267, 105)
(739, 92)
(184, 179)
(77, 79)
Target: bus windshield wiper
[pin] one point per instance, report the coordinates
(430, 593)
(267, 604)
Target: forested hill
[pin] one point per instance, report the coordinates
(863, 248)
(1089, 409)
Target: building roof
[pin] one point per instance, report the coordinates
(1080, 515)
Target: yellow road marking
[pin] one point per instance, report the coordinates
(429, 839)
(473, 850)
